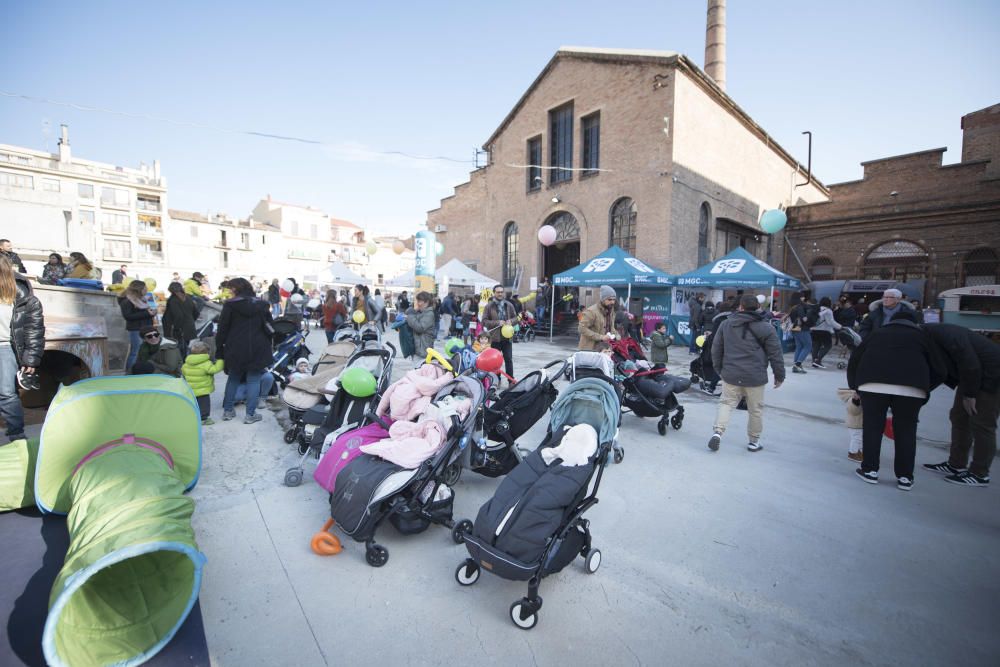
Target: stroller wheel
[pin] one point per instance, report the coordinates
(291, 434)
(677, 421)
(293, 477)
(467, 573)
(525, 622)
(593, 561)
(451, 474)
(841, 365)
(661, 426)
(376, 555)
(459, 531)
(619, 454)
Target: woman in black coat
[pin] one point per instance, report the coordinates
(244, 342)
(895, 368)
(137, 314)
(179, 316)
(22, 343)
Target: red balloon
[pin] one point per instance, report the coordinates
(889, 432)
(284, 293)
(490, 360)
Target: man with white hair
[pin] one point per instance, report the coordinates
(882, 311)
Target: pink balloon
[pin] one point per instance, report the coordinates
(547, 235)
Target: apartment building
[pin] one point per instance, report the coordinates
(55, 202)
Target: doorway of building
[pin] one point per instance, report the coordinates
(565, 252)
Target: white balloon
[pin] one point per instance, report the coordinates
(547, 235)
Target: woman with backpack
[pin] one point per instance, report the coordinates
(802, 317)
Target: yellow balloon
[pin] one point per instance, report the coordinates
(507, 331)
(150, 284)
(358, 316)
(700, 340)
(371, 247)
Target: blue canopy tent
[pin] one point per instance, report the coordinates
(613, 267)
(737, 270)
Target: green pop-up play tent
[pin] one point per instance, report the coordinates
(117, 454)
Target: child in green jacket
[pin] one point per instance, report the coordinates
(199, 371)
(660, 341)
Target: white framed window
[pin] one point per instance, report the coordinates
(116, 223)
(17, 180)
(117, 249)
(194, 231)
(51, 185)
(85, 190)
(87, 216)
(313, 231)
(114, 197)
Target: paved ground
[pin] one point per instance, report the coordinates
(779, 557)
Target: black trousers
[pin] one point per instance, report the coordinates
(205, 405)
(905, 410)
(507, 348)
(822, 342)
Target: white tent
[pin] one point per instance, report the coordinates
(459, 275)
(336, 274)
(402, 280)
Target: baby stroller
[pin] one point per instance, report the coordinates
(650, 393)
(525, 330)
(511, 414)
(850, 339)
(371, 489)
(289, 344)
(534, 526)
(307, 399)
(346, 412)
(627, 349)
(702, 369)
(598, 366)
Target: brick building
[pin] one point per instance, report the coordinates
(909, 218)
(637, 148)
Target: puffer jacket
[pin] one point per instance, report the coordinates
(659, 343)
(193, 287)
(742, 349)
(899, 353)
(423, 326)
(199, 371)
(27, 325)
(875, 318)
(595, 323)
(971, 359)
(243, 339)
(165, 357)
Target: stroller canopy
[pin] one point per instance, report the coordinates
(588, 401)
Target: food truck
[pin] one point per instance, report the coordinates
(976, 307)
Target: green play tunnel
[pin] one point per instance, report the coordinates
(133, 570)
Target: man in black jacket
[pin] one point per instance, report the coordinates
(973, 364)
(7, 250)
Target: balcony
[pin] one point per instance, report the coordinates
(150, 256)
(150, 231)
(112, 228)
(147, 205)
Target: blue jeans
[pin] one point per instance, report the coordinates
(10, 403)
(803, 345)
(266, 383)
(134, 343)
(693, 346)
(276, 309)
(252, 388)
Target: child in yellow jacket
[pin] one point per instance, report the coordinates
(199, 372)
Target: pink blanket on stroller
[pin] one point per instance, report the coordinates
(345, 449)
(406, 399)
(410, 444)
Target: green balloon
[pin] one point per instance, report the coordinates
(453, 345)
(358, 382)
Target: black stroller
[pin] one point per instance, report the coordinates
(702, 369)
(850, 339)
(534, 526)
(651, 393)
(370, 490)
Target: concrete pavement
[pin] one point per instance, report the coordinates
(777, 557)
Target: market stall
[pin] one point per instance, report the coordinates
(616, 268)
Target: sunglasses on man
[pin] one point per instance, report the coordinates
(151, 336)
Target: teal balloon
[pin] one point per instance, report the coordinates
(358, 382)
(453, 345)
(438, 248)
(773, 221)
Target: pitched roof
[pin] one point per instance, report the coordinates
(665, 58)
(343, 223)
(177, 214)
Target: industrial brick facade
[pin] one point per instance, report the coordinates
(909, 218)
(669, 140)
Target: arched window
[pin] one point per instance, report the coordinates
(704, 225)
(509, 253)
(896, 260)
(623, 215)
(822, 269)
(980, 267)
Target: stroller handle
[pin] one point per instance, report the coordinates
(370, 415)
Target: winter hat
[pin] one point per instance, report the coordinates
(302, 361)
(148, 329)
(607, 293)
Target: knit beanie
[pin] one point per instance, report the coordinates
(607, 293)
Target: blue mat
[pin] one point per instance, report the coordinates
(33, 548)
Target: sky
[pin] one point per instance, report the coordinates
(869, 79)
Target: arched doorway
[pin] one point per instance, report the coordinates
(565, 252)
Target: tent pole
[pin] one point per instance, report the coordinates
(552, 312)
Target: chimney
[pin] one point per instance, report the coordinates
(64, 154)
(715, 42)
(156, 171)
